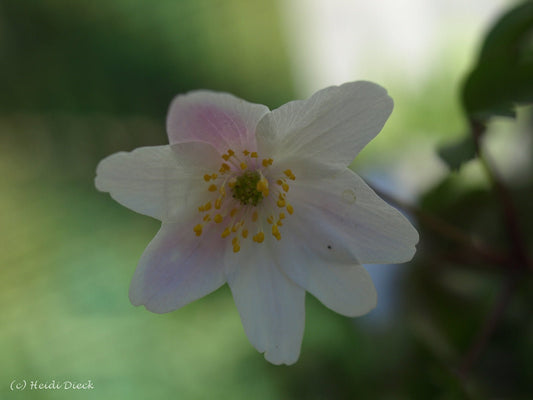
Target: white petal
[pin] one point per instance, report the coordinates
(177, 268)
(331, 274)
(332, 126)
(158, 181)
(272, 308)
(344, 213)
(221, 119)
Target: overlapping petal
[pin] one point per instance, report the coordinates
(332, 126)
(177, 268)
(158, 181)
(345, 213)
(220, 119)
(324, 267)
(272, 308)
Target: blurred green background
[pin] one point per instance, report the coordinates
(82, 80)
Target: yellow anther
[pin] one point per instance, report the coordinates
(235, 228)
(289, 174)
(262, 185)
(279, 182)
(214, 176)
(253, 154)
(243, 165)
(281, 215)
(232, 181)
(226, 232)
(218, 203)
(198, 229)
(207, 217)
(235, 240)
(245, 152)
(275, 232)
(225, 157)
(290, 210)
(231, 152)
(279, 223)
(224, 168)
(207, 206)
(212, 188)
(270, 219)
(259, 237)
(281, 203)
(285, 187)
(233, 212)
(265, 163)
(218, 218)
(255, 216)
(207, 177)
(236, 248)
(244, 233)
(201, 208)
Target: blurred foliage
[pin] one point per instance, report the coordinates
(83, 80)
(503, 75)
(501, 79)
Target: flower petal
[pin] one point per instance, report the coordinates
(272, 308)
(221, 119)
(332, 126)
(344, 213)
(158, 181)
(177, 268)
(329, 273)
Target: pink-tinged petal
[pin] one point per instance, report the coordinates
(344, 213)
(272, 308)
(331, 126)
(328, 272)
(221, 119)
(158, 181)
(178, 267)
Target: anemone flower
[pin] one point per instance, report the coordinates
(264, 201)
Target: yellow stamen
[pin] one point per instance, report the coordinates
(255, 216)
(226, 232)
(198, 229)
(218, 218)
(243, 165)
(253, 154)
(212, 188)
(259, 237)
(207, 177)
(290, 210)
(244, 233)
(289, 174)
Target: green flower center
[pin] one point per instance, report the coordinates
(245, 188)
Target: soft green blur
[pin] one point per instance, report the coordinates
(82, 80)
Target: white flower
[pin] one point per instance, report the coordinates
(264, 201)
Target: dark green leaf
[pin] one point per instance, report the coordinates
(457, 153)
(503, 76)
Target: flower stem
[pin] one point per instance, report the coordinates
(519, 257)
(488, 327)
